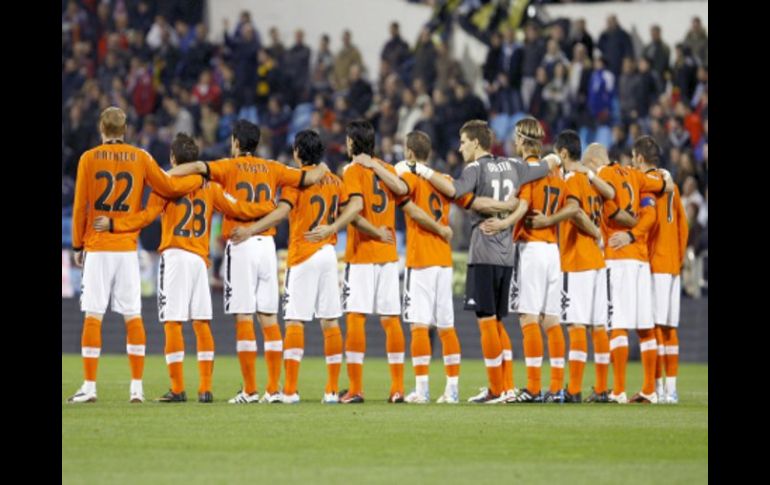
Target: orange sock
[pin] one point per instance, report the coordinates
(205, 344)
(661, 360)
(671, 342)
(355, 348)
(273, 356)
(578, 353)
(649, 350)
(450, 346)
(619, 351)
(174, 351)
(505, 342)
(421, 353)
(556, 351)
(135, 346)
(493, 353)
(533, 355)
(91, 347)
(247, 353)
(333, 352)
(601, 358)
(292, 356)
(395, 346)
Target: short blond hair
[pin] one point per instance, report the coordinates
(112, 121)
(531, 133)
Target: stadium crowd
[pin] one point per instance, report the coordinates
(161, 67)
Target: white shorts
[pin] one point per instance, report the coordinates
(428, 296)
(666, 289)
(537, 276)
(183, 287)
(251, 276)
(312, 288)
(371, 289)
(584, 297)
(116, 274)
(630, 294)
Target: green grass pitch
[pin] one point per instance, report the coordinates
(115, 442)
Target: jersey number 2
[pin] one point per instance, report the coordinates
(119, 205)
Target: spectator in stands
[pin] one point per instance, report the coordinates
(615, 44)
(276, 48)
(208, 125)
(648, 88)
(244, 46)
(343, 111)
(297, 70)
(181, 119)
(629, 86)
(580, 35)
(579, 78)
(553, 55)
(468, 105)
(323, 66)
(678, 136)
(556, 98)
(698, 41)
(657, 52)
(601, 91)
(684, 73)
(140, 87)
(534, 50)
(408, 115)
(346, 57)
(199, 54)
(447, 68)
(159, 29)
(395, 51)
(360, 93)
(269, 80)
(207, 91)
(277, 120)
(425, 59)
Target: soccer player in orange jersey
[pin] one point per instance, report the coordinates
(584, 280)
(428, 281)
(110, 181)
(627, 259)
(183, 284)
(371, 274)
(311, 286)
(667, 244)
(536, 281)
(251, 268)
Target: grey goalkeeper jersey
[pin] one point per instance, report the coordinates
(498, 178)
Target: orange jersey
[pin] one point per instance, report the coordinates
(314, 205)
(425, 248)
(110, 182)
(579, 251)
(547, 196)
(252, 179)
(629, 183)
(186, 221)
(379, 209)
(668, 239)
